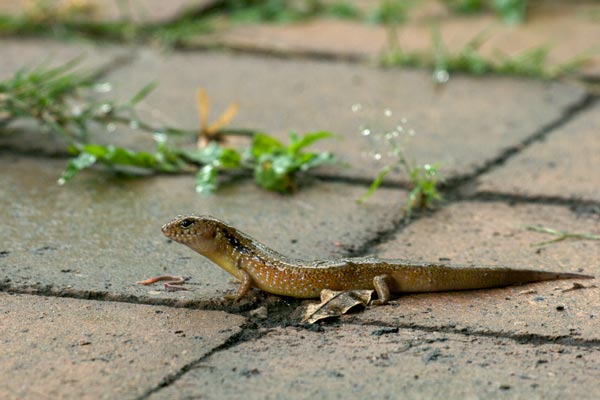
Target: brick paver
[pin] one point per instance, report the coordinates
(68, 348)
(494, 234)
(564, 165)
(364, 362)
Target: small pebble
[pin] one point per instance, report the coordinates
(260, 313)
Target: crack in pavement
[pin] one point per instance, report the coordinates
(453, 190)
(250, 331)
(520, 338)
(454, 186)
(576, 205)
(218, 304)
(247, 332)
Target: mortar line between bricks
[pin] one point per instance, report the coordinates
(245, 334)
(531, 338)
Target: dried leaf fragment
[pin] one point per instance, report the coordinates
(577, 286)
(209, 133)
(335, 304)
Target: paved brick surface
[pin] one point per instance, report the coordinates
(493, 234)
(101, 234)
(140, 11)
(29, 54)
(361, 362)
(462, 126)
(564, 165)
(77, 349)
(569, 31)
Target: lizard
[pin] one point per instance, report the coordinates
(256, 265)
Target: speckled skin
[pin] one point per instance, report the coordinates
(256, 265)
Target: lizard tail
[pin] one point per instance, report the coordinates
(480, 278)
(537, 276)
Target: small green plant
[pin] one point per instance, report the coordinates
(423, 179)
(532, 62)
(511, 11)
(275, 164)
(286, 10)
(67, 25)
(392, 13)
(55, 21)
(466, 6)
(59, 100)
(468, 59)
(561, 235)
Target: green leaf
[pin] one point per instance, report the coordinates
(97, 150)
(511, 11)
(207, 155)
(79, 163)
(230, 158)
(316, 159)
(145, 91)
(273, 173)
(125, 157)
(214, 154)
(263, 144)
(376, 183)
(298, 144)
(206, 179)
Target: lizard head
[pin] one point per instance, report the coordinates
(196, 232)
(208, 236)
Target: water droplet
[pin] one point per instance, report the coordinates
(389, 135)
(377, 156)
(400, 128)
(159, 137)
(411, 132)
(441, 76)
(404, 120)
(111, 127)
(427, 167)
(105, 108)
(366, 132)
(356, 107)
(103, 87)
(387, 112)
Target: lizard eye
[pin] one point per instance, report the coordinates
(186, 223)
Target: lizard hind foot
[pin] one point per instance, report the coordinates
(381, 283)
